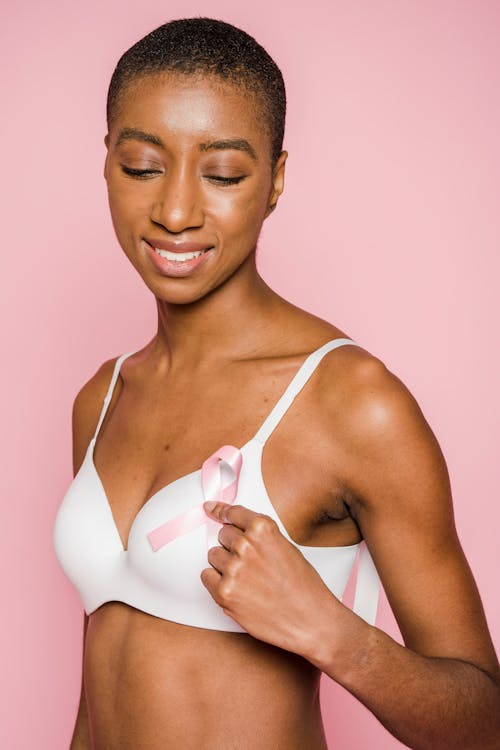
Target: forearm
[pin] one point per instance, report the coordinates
(426, 703)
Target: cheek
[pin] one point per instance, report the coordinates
(126, 208)
(240, 214)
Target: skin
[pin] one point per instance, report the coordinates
(226, 347)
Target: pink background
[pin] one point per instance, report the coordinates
(391, 199)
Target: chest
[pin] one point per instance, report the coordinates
(151, 439)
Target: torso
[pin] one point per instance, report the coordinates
(154, 683)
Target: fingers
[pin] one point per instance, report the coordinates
(226, 559)
(243, 536)
(234, 545)
(237, 515)
(210, 578)
(231, 538)
(219, 558)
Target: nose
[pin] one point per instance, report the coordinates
(178, 204)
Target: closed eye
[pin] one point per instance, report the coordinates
(140, 173)
(225, 180)
(147, 173)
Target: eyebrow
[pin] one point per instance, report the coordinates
(239, 144)
(132, 134)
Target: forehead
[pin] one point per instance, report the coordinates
(191, 105)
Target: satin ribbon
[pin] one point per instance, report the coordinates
(211, 482)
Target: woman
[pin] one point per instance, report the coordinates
(301, 442)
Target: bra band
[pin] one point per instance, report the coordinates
(367, 591)
(295, 386)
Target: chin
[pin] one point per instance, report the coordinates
(177, 294)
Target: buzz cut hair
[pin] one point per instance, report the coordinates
(207, 47)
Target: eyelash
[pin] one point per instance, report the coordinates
(144, 174)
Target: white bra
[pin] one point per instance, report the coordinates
(162, 577)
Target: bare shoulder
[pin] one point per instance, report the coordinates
(86, 409)
(382, 426)
(359, 389)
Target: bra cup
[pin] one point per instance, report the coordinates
(175, 568)
(85, 531)
(165, 582)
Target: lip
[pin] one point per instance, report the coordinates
(177, 268)
(177, 247)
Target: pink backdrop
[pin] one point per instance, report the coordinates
(392, 195)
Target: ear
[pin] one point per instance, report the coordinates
(106, 143)
(278, 183)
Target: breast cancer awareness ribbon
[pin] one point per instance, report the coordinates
(211, 482)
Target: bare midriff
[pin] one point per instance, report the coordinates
(157, 685)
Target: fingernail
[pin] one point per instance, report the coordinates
(209, 505)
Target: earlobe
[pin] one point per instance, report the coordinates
(270, 209)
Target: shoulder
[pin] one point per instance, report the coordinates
(87, 407)
(382, 427)
(358, 388)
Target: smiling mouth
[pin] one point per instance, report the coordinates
(179, 257)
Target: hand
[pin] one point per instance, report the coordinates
(264, 582)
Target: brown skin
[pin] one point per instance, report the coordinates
(225, 349)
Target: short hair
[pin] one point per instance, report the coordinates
(207, 46)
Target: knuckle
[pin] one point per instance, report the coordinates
(262, 525)
(232, 567)
(226, 589)
(241, 546)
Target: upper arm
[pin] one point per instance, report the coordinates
(85, 415)
(86, 410)
(81, 731)
(403, 505)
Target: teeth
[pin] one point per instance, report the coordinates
(178, 256)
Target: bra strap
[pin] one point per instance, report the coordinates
(107, 397)
(367, 587)
(295, 386)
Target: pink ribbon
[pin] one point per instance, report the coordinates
(211, 481)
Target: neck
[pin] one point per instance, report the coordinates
(234, 320)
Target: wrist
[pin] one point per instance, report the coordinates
(326, 633)
(343, 644)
